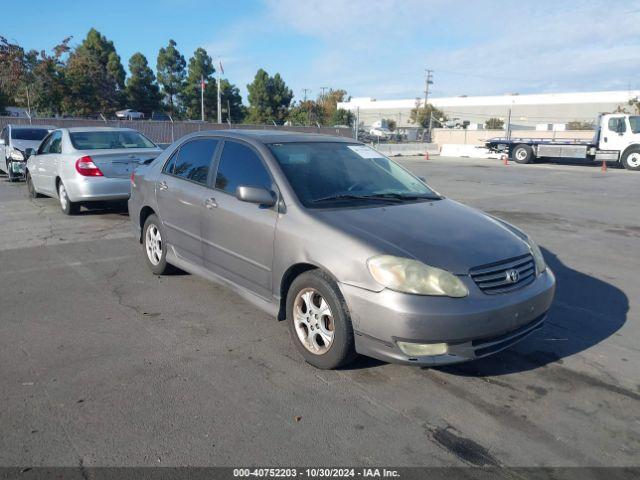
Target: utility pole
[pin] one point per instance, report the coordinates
(219, 98)
(202, 98)
(305, 90)
(428, 80)
(322, 93)
(228, 112)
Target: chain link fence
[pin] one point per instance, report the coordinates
(166, 131)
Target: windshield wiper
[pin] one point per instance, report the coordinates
(351, 196)
(408, 196)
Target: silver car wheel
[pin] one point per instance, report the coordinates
(313, 321)
(62, 195)
(153, 244)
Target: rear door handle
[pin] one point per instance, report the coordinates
(163, 185)
(210, 203)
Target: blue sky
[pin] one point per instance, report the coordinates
(376, 48)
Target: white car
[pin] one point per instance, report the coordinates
(129, 114)
(79, 165)
(380, 132)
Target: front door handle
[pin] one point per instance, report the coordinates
(163, 185)
(210, 203)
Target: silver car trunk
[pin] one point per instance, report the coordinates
(120, 163)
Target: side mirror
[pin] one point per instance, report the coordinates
(17, 155)
(29, 152)
(258, 195)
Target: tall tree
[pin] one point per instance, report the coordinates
(143, 93)
(269, 99)
(329, 104)
(171, 74)
(231, 102)
(94, 77)
(200, 68)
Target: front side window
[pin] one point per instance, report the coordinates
(109, 140)
(342, 175)
(634, 122)
(56, 143)
(44, 146)
(28, 133)
(193, 160)
(240, 165)
(616, 124)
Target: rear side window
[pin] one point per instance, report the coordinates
(193, 160)
(240, 165)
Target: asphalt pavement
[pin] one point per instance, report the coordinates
(103, 363)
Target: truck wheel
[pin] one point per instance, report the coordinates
(522, 154)
(631, 159)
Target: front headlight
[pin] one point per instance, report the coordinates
(541, 266)
(16, 155)
(411, 276)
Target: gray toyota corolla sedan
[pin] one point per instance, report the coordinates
(355, 252)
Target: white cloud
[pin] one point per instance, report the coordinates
(381, 48)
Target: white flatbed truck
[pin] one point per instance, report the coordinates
(616, 139)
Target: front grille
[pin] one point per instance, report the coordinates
(493, 279)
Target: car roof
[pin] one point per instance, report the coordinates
(97, 129)
(275, 136)
(16, 127)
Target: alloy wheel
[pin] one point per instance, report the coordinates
(153, 244)
(313, 320)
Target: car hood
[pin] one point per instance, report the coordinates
(443, 233)
(24, 144)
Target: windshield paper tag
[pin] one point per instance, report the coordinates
(365, 152)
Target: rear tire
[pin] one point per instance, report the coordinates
(33, 193)
(154, 246)
(522, 153)
(631, 159)
(319, 321)
(66, 205)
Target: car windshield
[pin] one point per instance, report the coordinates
(341, 175)
(109, 140)
(28, 133)
(634, 121)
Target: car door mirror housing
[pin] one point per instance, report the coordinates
(258, 195)
(29, 152)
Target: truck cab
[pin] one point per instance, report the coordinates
(620, 132)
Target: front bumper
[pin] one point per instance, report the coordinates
(86, 189)
(17, 168)
(473, 327)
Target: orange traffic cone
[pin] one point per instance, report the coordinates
(604, 166)
(505, 159)
(426, 155)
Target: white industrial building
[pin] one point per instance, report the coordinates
(547, 111)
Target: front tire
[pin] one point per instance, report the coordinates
(67, 206)
(631, 159)
(10, 176)
(319, 321)
(155, 248)
(522, 153)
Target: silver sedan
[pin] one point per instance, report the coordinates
(79, 165)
